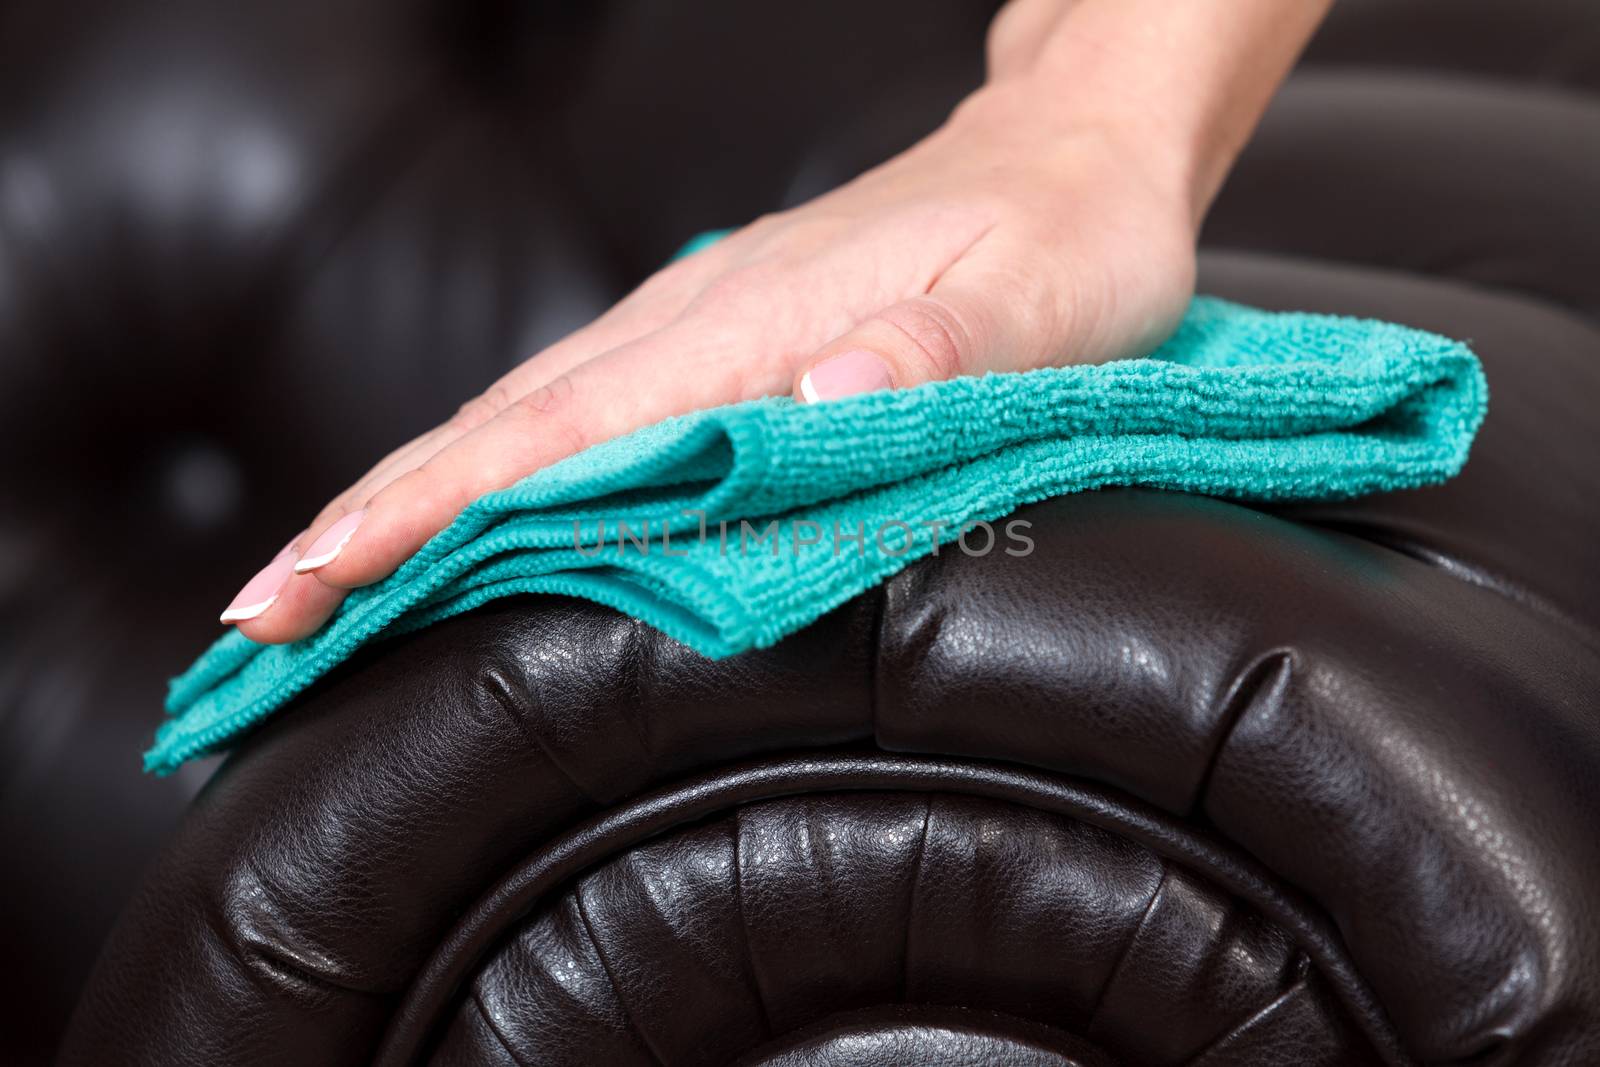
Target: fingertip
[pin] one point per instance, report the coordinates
(262, 592)
(849, 373)
(370, 549)
(296, 612)
(330, 543)
(235, 615)
(406, 515)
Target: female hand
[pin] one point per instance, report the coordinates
(1022, 233)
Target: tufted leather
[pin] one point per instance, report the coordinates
(1193, 782)
(845, 902)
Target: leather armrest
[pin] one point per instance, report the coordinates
(1387, 705)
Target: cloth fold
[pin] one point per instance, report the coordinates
(730, 528)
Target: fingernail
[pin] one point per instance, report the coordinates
(261, 592)
(325, 549)
(846, 374)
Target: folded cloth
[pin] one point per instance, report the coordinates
(730, 528)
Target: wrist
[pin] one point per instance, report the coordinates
(1180, 85)
(1034, 125)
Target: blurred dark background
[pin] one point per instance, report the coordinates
(247, 247)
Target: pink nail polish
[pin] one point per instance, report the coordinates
(325, 549)
(262, 591)
(846, 374)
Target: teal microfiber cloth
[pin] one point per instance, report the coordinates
(730, 528)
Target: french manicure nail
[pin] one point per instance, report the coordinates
(846, 374)
(325, 549)
(262, 591)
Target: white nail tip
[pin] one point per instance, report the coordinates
(808, 390)
(311, 563)
(249, 611)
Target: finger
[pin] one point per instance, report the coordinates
(923, 339)
(303, 604)
(582, 408)
(623, 323)
(980, 315)
(297, 603)
(531, 375)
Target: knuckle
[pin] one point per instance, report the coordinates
(422, 492)
(399, 496)
(480, 409)
(338, 509)
(938, 336)
(553, 398)
(656, 285)
(1007, 42)
(1040, 303)
(551, 410)
(353, 499)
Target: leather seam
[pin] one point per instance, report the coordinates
(255, 955)
(499, 688)
(1260, 1014)
(1190, 847)
(911, 897)
(488, 1022)
(744, 927)
(1127, 949)
(1268, 673)
(616, 988)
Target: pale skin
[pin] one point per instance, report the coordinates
(1051, 220)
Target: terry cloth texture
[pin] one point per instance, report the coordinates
(824, 501)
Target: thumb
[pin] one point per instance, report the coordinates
(927, 338)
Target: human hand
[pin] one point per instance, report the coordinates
(1013, 237)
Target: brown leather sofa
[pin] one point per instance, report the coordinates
(1194, 783)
